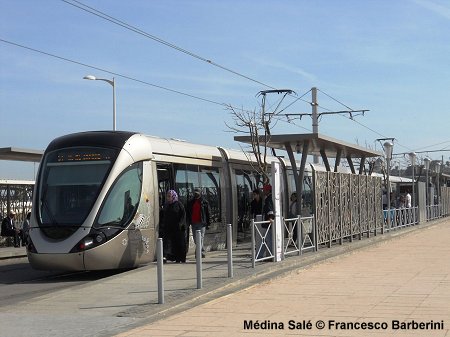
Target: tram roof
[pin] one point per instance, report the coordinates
(19, 154)
(317, 143)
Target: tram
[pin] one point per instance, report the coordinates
(98, 194)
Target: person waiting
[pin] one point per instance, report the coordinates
(9, 229)
(198, 215)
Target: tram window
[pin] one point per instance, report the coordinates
(186, 179)
(189, 177)
(123, 199)
(245, 182)
(181, 182)
(192, 177)
(70, 190)
(210, 183)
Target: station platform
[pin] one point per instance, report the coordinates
(402, 276)
(396, 287)
(12, 252)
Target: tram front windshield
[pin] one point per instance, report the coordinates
(70, 182)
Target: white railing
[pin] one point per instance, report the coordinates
(297, 237)
(401, 217)
(292, 233)
(262, 242)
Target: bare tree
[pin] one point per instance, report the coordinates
(253, 124)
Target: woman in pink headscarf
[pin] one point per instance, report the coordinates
(174, 222)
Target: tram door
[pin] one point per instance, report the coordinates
(165, 181)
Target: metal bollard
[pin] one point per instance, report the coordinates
(198, 257)
(230, 249)
(160, 271)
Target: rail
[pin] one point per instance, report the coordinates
(434, 212)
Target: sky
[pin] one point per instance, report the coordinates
(186, 60)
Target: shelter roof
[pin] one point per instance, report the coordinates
(18, 154)
(317, 143)
(16, 182)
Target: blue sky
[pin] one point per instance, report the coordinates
(390, 57)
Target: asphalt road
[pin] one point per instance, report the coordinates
(19, 282)
(22, 288)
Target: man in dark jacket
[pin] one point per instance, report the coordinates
(9, 229)
(198, 216)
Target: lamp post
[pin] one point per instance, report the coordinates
(438, 171)
(388, 146)
(426, 162)
(412, 157)
(93, 78)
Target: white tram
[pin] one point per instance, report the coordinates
(98, 195)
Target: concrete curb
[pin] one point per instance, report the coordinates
(11, 254)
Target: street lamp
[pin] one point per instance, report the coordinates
(438, 171)
(93, 78)
(412, 157)
(388, 146)
(426, 162)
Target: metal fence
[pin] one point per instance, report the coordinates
(262, 243)
(297, 237)
(401, 217)
(445, 200)
(434, 212)
(442, 209)
(346, 205)
(16, 197)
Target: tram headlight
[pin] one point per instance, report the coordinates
(86, 243)
(92, 240)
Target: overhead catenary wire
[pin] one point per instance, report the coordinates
(225, 105)
(121, 23)
(359, 123)
(132, 28)
(125, 25)
(104, 16)
(426, 147)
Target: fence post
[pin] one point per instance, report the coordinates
(283, 231)
(160, 271)
(198, 258)
(253, 244)
(300, 235)
(230, 249)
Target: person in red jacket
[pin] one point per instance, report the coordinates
(198, 215)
